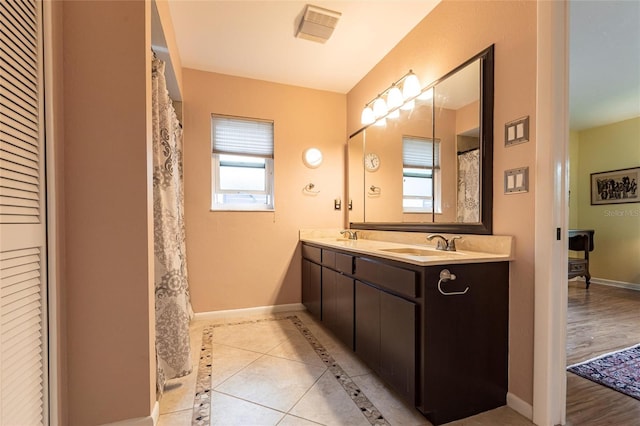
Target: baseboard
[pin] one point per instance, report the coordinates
(519, 406)
(613, 283)
(236, 313)
(151, 420)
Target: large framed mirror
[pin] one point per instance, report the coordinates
(431, 169)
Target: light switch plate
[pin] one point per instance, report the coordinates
(516, 131)
(516, 180)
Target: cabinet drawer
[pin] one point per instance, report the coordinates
(344, 263)
(329, 258)
(314, 254)
(577, 265)
(400, 280)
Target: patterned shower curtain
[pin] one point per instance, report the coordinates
(173, 306)
(468, 187)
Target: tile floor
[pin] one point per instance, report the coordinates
(279, 370)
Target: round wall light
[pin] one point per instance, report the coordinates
(312, 157)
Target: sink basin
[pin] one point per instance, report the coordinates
(418, 252)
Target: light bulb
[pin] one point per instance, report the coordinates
(380, 108)
(394, 114)
(411, 86)
(367, 116)
(394, 97)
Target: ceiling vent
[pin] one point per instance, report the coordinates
(317, 24)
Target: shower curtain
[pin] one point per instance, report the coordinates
(468, 187)
(172, 301)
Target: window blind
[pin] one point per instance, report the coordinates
(242, 136)
(420, 152)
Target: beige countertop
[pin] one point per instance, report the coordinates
(413, 248)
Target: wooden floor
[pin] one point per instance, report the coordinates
(600, 320)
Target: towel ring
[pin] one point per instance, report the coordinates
(309, 189)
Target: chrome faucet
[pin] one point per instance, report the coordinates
(443, 243)
(352, 235)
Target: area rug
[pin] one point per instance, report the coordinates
(618, 370)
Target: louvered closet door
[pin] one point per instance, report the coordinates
(23, 326)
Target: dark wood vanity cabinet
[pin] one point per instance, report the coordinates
(442, 346)
(385, 327)
(312, 287)
(385, 322)
(465, 338)
(337, 304)
(328, 290)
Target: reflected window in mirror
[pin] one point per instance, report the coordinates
(420, 175)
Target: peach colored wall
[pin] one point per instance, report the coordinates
(617, 226)
(248, 259)
(467, 117)
(107, 196)
(449, 35)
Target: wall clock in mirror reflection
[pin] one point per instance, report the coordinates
(371, 162)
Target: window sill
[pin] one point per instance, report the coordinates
(236, 209)
(420, 212)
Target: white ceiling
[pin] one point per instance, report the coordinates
(256, 39)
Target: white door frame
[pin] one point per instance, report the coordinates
(551, 213)
(53, 402)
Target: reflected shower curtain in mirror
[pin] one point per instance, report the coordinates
(468, 187)
(172, 301)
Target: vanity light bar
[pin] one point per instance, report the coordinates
(378, 108)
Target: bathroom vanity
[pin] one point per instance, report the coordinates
(431, 324)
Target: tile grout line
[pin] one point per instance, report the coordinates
(202, 400)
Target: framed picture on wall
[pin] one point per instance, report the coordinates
(615, 186)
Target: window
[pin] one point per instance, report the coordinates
(241, 163)
(420, 175)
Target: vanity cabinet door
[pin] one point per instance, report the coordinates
(337, 305)
(386, 337)
(398, 344)
(344, 309)
(329, 290)
(312, 287)
(367, 325)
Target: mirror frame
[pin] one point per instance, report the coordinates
(485, 226)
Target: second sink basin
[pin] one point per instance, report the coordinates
(418, 252)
